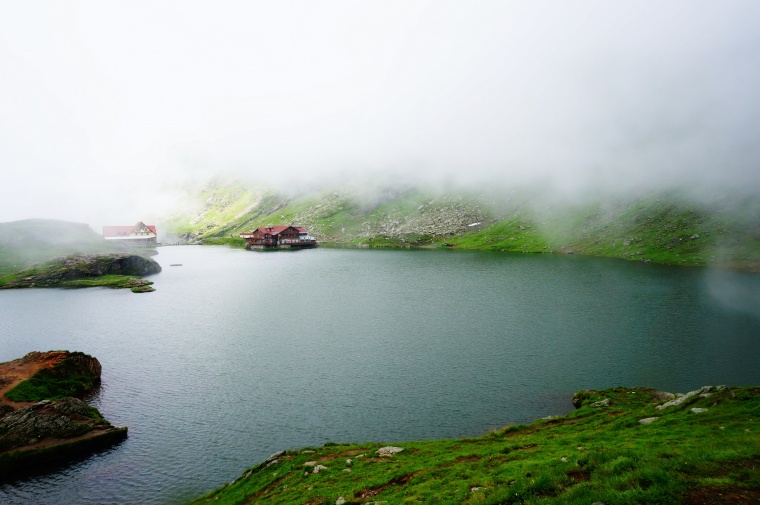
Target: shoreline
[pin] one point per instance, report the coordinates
(744, 266)
(632, 445)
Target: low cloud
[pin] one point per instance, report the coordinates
(106, 107)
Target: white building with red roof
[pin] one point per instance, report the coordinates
(139, 234)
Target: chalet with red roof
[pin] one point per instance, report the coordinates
(139, 234)
(280, 237)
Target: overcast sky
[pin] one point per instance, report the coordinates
(105, 104)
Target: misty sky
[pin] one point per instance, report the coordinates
(104, 105)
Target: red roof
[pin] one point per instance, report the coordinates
(124, 231)
(276, 230)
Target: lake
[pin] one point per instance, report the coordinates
(239, 354)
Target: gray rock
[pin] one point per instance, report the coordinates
(698, 410)
(340, 501)
(648, 420)
(72, 407)
(663, 396)
(319, 468)
(275, 456)
(58, 419)
(706, 390)
(603, 403)
(580, 396)
(388, 450)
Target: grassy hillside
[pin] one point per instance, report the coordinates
(618, 447)
(31, 241)
(662, 228)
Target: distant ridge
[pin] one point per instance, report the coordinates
(665, 227)
(30, 241)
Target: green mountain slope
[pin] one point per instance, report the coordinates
(662, 228)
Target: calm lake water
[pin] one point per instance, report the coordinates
(239, 354)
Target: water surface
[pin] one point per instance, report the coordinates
(239, 354)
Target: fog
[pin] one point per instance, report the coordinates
(106, 107)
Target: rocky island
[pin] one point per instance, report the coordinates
(42, 420)
(116, 270)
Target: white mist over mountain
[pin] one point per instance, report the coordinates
(107, 107)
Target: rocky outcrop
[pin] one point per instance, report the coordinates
(39, 421)
(69, 270)
(704, 392)
(59, 419)
(52, 375)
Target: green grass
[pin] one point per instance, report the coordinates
(592, 454)
(76, 272)
(136, 284)
(236, 242)
(66, 378)
(666, 228)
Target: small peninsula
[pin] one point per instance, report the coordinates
(620, 445)
(42, 419)
(115, 270)
(51, 253)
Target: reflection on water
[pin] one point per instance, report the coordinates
(239, 354)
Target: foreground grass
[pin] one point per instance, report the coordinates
(595, 454)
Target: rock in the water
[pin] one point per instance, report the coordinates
(56, 426)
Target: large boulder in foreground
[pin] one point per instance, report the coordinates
(41, 420)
